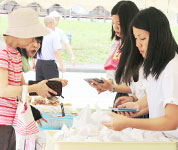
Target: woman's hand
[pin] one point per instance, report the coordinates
(37, 115)
(99, 90)
(118, 122)
(102, 87)
(123, 99)
(63, 81)
(133, 105)
(43, 90)
(107, 85)
(39, 121)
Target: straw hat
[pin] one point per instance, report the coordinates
(55, 14)
(24, 23)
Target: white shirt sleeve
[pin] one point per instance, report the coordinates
(138, 88)
(63, 38)
(169, 83)
(132, 86)
(56, 44)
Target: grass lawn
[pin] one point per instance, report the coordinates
(175, 33)
(90, 40)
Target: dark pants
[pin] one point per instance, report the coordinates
(7, 138)
(46, 69)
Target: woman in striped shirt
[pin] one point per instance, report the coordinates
(23, 27)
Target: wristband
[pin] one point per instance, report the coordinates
(113, 88)
(133, 98)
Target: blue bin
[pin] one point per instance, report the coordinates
(55, 121)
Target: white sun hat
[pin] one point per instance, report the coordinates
(55, 14)
(24, 23)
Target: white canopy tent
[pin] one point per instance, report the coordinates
(170, 6)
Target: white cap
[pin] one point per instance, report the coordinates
(55, 14)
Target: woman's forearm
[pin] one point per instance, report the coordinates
(142, 112)
(142, 103)
(122, 88)
(14, 91)
(11, 91)
(153, 124)
(167, 122)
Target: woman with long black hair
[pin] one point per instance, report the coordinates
(153, 48)
(122, 14)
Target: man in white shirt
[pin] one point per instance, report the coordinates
(63, 38)
(46, 66)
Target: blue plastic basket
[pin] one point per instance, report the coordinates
(55, 122)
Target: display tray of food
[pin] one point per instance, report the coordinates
(38, 100)
(52, 105)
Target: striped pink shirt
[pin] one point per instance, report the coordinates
(10, 59)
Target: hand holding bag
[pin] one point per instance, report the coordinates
(112, 61)
(24, 123)
(53, 84)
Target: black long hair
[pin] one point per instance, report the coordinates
(161, 47)
(23, 52)
(126, 10)
(39, 39)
